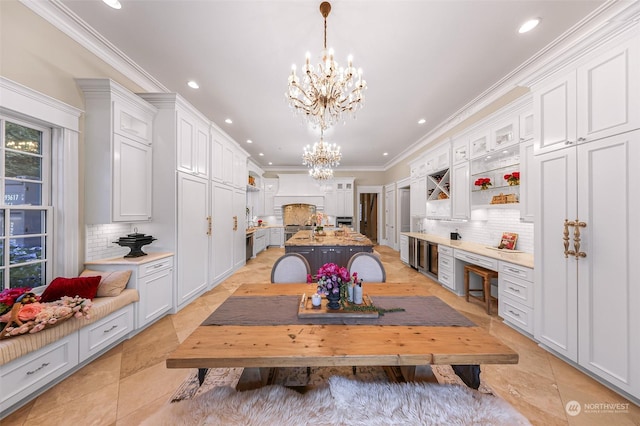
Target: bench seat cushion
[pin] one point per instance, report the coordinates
(18, 346)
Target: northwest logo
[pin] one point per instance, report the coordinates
(573, 408)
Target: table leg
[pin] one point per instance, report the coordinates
(201, 373)
(470, 374)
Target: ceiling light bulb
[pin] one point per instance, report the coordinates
(228, 121)
(270, 163)
(261, 154)
(422, 121)
(529, 25)
(113, 3)
(249, 141)
(193, 84)
(385, 153)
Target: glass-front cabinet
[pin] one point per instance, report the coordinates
(495, 178)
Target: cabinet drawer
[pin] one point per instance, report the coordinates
(446, 278)
(131, 123)
(99, 335)
(445, 250)
(514, 270)
(445, 263)
(22, 376)
(516, 314)
(476, 259)
(516, 289)
(155, 266)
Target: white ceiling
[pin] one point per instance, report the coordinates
(421, 59)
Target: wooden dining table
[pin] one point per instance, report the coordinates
(260, 346)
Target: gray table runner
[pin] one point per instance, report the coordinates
(283, 310)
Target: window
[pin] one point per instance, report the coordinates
(25, 212)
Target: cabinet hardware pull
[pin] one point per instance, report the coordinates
(576, 239)
(515, 271)
(235, 223)
(582, 139)
(565, 238)
(109, 330)
(46, 364)
(568, 143)
(209, 225)
(517, 290)
(514, 313)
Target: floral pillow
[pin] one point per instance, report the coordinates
(84, 287)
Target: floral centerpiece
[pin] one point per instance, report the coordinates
(483, 183)
(28, 315)
(512, 178)
(332, 281)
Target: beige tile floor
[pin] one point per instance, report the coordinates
(129, 382)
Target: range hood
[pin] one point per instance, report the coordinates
(296, 188)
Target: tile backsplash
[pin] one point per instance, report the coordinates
(100, 240)
(483, 231)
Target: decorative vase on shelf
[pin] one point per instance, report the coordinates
(334, 301)
(357, 294)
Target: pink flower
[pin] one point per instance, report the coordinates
(29, 312)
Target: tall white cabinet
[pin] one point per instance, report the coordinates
(181, 189)
(118, 153)
(586, 163)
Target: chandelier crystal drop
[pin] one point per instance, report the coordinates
(321, 158)
(327, 93)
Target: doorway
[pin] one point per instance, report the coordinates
(368, 220)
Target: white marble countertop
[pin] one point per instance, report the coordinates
(518, 258)
(150, 257)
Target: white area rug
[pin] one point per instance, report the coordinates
(342, 401)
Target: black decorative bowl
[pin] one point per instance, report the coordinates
(135, 242)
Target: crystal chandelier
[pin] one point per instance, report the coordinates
(321, 158)
(328, 91)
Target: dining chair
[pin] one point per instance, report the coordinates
(290, 268)
(368, 267)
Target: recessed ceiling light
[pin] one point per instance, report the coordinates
(261, 154)
(193, 84)
(249, 141)
(270, 163)
(113, 3)
(422, 121)
(228, 121)
(385, 153)
(529, 25)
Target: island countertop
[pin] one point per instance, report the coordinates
(303, 238)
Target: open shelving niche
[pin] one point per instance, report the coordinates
(495, 165)
(438, 194)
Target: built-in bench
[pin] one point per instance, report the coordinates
(30, 364)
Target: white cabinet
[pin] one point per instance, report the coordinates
(222, 160)
(404, 248)
(98, 336)
(479, 142)
(500, 134)
(438, 194)
(460, 208)
(439, 158)
(495, 168)
(239, 170)
(276, 237)
(259, 240)
(344, 196)
(118, 153)
(528, 182)
(515, 300)
(446, 267)
(460, 149)
(239, 228)
(597, 100)
(418, 196)
(192, 143)
(222, 231)
(155, 286)
(585, 238)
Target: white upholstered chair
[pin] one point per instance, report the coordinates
(368, 267)
(290, 268)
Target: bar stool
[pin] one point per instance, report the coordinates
(486, 275)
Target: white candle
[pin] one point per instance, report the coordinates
(316, 300)
(357, 294)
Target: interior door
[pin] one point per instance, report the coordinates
(390, 218)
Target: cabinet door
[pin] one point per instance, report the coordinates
(192, 237)
(460, 191)
(404, 248)
(479, 143)
(460, 149)
(186, 147)
(528, 182)
(156, 296)
(505, 133)
(554, 107)
(390, 217)
(556, 289)
(131, 180)
(201, 162)
(239, 225)
(227, 164)
(609, 93)
(222, 231)
(217, 157)
(608, 291)
(239, 170)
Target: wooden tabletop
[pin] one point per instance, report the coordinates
(336, 345)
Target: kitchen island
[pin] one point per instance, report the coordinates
(333, 247)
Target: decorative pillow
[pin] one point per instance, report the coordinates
(112, 282)
(85, 287)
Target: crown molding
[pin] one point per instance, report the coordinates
(61, 17)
